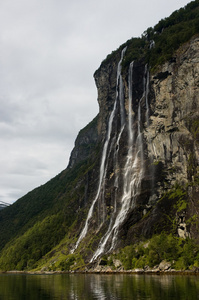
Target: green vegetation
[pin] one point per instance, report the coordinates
(180, 194)
(182, 254)
(195, 129)
(25, 251)
(40, 220)
(159, 43)
(66, 262)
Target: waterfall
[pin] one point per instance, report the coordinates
(104, 155)
(150, 143)
(128, 180)
(128, 173)
(121, 99)
(146, 96)
(130, 111)
(134, 168)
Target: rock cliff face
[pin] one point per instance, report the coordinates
(173, 131)
(148, 126)
(84, 144)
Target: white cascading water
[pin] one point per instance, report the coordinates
(103, 166)
(129, 180)
(134, 167)
(146, 96)
(140, 145)
(150, 143)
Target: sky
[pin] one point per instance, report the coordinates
(49, 52)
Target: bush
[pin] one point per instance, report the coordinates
(183, 253)
(65, 265)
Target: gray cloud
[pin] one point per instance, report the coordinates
(49, 52)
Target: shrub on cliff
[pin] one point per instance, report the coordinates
(183, 254)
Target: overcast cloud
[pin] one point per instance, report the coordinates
(49, 52)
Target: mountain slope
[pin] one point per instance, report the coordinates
(133, 172)
(3, 205)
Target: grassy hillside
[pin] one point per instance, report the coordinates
(37, 222)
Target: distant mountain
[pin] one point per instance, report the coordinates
(3, 205)
(129, 196)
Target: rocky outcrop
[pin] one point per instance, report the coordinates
(105, 80)
(182, 226)
(172, 136)
(84, 144)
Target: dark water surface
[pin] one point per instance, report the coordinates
(100, 287)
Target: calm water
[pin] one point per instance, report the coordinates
(100, 287)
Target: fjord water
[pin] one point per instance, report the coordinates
(98, 287)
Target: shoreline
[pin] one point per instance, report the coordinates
(108, 272)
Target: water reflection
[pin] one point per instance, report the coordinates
(98, 287)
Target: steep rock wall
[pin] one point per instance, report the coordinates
(148, 126)
(174, 120)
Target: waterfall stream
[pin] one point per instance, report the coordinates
(133, 171)
(128, 180)
(128, 177)
(104, 156)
